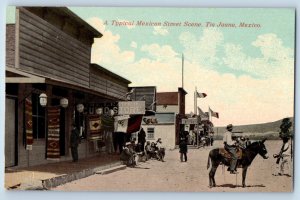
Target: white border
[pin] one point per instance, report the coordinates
(140, 195)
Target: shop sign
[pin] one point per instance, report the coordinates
(190, 121)
(131, 107)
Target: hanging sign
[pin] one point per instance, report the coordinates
(131, 107)
(190, 121)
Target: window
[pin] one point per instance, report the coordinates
(150, 133)
(165, 117)
(38, 118)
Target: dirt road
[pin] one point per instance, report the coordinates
(191, 176)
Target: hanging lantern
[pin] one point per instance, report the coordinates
(43, 99)
(64, 102)
(111, 112)
(80, 108)
(99, 111)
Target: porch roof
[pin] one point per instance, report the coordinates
(14, 75)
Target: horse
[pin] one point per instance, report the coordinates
(245, 159)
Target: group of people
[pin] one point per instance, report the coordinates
(135, 151)
(201, 138)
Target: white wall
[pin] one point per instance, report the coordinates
(164, 131)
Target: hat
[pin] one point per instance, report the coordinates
(127, 143)
(229, 126)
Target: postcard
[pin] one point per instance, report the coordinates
(149, 99)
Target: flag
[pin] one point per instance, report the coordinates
(128, 124)
(202, 114)
(128, 94)
(214, 114)
(134, 123)
(121, 123)
(200, 95)
(200, 111)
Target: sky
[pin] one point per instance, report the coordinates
(246, 72)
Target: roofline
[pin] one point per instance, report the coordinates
(80, 20)
(143, 87)
(166, 92)
(106, 71)
(180, 88)
(68, 12)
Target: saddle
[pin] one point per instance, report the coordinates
(227, 155)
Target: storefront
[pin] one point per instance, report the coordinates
(50, 84)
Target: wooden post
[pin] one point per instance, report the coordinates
(69, 120)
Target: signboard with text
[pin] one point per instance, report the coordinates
(190, 121)
(131, 107)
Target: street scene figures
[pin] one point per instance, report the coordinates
(93, 91)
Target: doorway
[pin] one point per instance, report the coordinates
(10, 132)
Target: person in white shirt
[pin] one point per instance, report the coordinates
(230, 146)
(161, 149)
(285, 157)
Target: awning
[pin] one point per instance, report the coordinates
(14, 75)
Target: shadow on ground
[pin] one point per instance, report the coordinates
(236, 186)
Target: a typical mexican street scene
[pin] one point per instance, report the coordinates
(149, 99)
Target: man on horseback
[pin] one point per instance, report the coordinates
(230, 146)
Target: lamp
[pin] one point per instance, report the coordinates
(99, 111)
(64, 102)
(80, 108)
(111, 112)
(43, 99)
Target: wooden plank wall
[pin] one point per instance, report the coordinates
(46, 50)
(107, 85)
(10, 45)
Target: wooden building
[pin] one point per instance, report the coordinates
(49, 51)
(172, 102)
(170, 109)
(145, 93)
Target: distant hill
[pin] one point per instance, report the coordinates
(268, 130)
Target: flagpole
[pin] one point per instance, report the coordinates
(182, 63)
(209, 114)
(195, 101)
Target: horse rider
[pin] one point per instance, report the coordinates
(230, 146)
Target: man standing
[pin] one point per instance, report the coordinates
(284, 157)
(211, 138)
(74, 141)
(109, 142)
(183, 149)
(142, 138)
(161, 149)
(230, 146)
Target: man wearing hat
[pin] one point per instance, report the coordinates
(74, 142)
(127, 155)
(230, 146)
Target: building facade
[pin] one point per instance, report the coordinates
(170, 109)
(49, 52)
